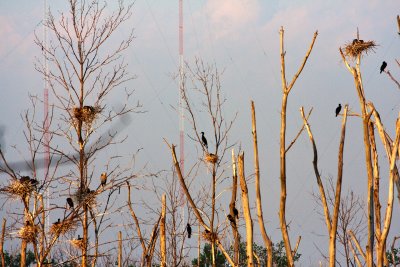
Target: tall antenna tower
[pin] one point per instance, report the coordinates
(181, 88)
(46, 123)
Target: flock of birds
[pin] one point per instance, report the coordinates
(382, 69)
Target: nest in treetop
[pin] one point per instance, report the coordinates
(19, 189)
(210, 237)
(211, 158)
(78, 243)
(357, 47)
(86, 196)
(61, 228)
(28, 233)
(86, 114)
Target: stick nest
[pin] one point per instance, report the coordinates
(211, 158)
(357, 47)
(78, 243)
(18, 189)
(28, 233)
(86, 114)
(210, 237)
(86, 197)
(63, 227)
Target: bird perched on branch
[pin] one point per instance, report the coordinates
(24, 179)
(103, 179)
(79, 238)
(337, 111)
(57, 222)
(235, 212)
(204, 140)
(383, 66)
(70, 203)
(189, 230)
(232, 220)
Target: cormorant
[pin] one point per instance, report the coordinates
(79, 238)
(189, 230)
(70, 203)
(57, 222)
(338, 110)
(204, 140)
(231, 219)
(103, 179)
(235, 212)
(33, 182)
(383, 66)
(24, 179)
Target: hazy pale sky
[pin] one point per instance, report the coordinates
(242, 38)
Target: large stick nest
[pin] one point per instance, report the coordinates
(78, 243)
(210, 157)
(63, 227)
(28, 233)
(18, 189)
(358, 47)
(210, 237)
(86, 197)
(86, 114)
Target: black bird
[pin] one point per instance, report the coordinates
(355, 41)
(33, 182)
(231, 219)
(189, 230)
(204, 140)
(70, 203)
(79, 238)
(57, 222)
(24, 179)
(338, 110)
(235, 212)
(103, 179)
(383, 66)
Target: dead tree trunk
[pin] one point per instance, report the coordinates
(234, 215)
(267, 240)
(246, 211)
(285, 91)
(163, 239)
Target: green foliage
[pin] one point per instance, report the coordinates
(15, 260)
(206, 260)
(393, 256)
(278, 254)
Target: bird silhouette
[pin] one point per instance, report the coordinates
(70, 203)
(57, 222)
(204, 140)
(383, 66)
(103, 179)
(24, 179)
(232, 220)
(337, 111)
(235, 212)
(189, 230)
(79, 238)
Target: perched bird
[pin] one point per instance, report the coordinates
(103, 179)
(70, 203)
(235, 212)
(189, 230)
(355, 41)
(207, 232)
(231, 219)
(337, 111)
(79, 238)
(33, 182)
(383, 66)
(204, 140)
(24, 179)
(57, 222)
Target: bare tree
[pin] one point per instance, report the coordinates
(286, 88)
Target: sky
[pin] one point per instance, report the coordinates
(242, 38)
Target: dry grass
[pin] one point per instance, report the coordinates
(63, 227)
(358, 47)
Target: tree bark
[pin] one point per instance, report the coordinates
(163, 238)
